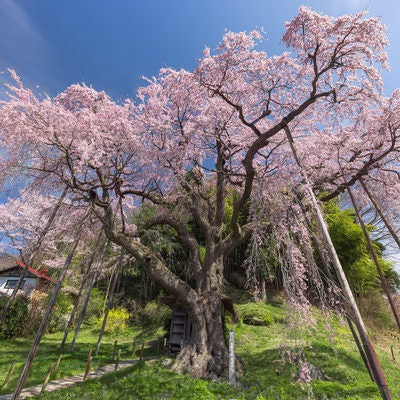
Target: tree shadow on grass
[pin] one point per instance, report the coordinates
(266, 373)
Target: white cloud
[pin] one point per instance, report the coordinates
(19, 17)
(338, 7)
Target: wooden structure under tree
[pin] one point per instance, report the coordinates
(180, 330)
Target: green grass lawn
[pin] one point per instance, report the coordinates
(261, 348)
(71, 363)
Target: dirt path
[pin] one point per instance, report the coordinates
(61, 383)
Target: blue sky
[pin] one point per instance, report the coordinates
(112, 44)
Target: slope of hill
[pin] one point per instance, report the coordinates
(277, 360)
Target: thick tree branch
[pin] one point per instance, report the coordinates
(154, 266)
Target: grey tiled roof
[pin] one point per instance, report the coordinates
(7, 261)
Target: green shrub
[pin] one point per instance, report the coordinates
(375, 308)
(156, 313)
(16, 317)
(94, 308)
(61, 313)
(255, 314)
(116, 321)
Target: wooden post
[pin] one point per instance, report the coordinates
(46, 379)
(82, 286)
(117, 360)
(164, 344)
(83, 311)
(371, 248)
(32, 255)
(115, 350)
(379, 211)
(103, 325)
(322, 255)
(89, 361)
(379, 376)
(141, 352)
(133, 347)
(158, 345)
(46, 317)
(393, 357)
(360, 348)
(87, 298)
(232, 369)
(10, 371)
(56, 366)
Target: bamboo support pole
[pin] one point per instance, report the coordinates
(46, 317)
(10, 371)
(78, 297)
(118, 357)
(378, 374)
(83, 312)
(57, 365)
(141, 352)
(109, 303)
(47, 378)
(32, 255)
(89, 361)
(115, 350)
(380, 213)
(377, 263)
(360, 348)
(133, 346)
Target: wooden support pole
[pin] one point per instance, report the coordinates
(83, 311)
(360, 348)
(32, 254)
(133, 347)
(393, 357)
(141, 352)
(115, 350)
(82, 286)
(86, 301)
(379, 376)
(164, 344)
(109, 303)
(89, 361)
(371, 248)
(118, 357)
(158, 345)
(10, 371)
(45, 319)
(380, 213)
(47, 378)
(57, 365)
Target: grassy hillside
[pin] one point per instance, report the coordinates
(265, 351)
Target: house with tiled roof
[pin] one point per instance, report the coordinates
(10, 271)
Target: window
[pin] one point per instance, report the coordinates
(14, 272)
(12, 283)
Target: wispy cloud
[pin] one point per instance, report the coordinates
(350, 6)
(22, 46)
(18, 16)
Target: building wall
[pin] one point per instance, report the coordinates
(30, 284)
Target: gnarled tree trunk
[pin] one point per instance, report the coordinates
(206, 353)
